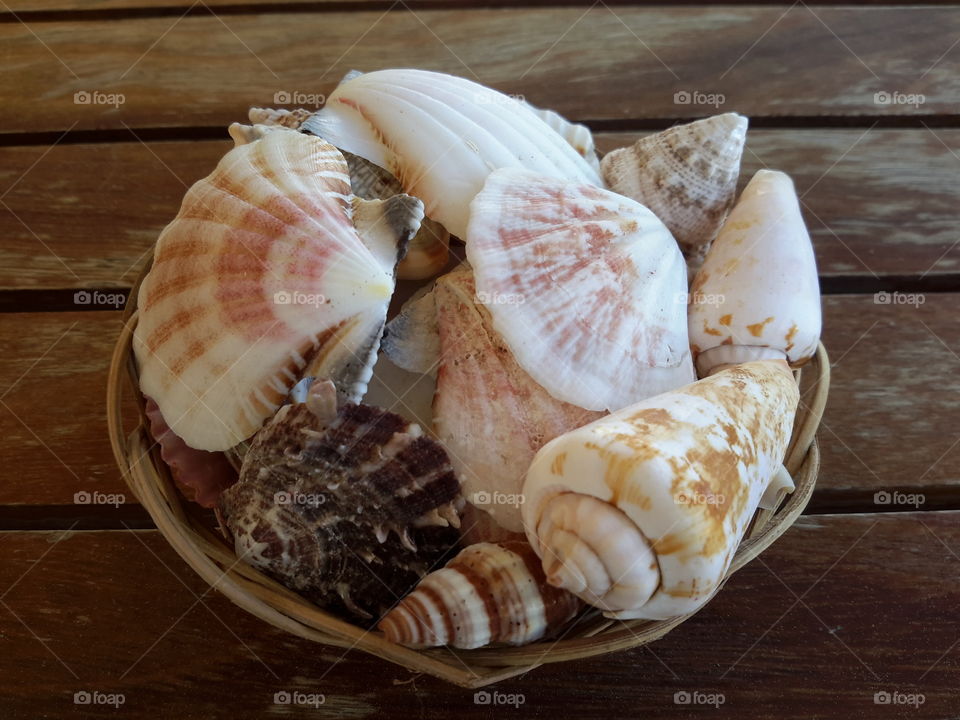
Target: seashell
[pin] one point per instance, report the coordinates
(412, 338)
(478, 526)
(405, 393)
(292, 119)
(347, 505)
(587, 288)
(200, 475)
(578, 136)
(640, 513)
(441, 136)
(261, 266)
(488, 413)
(757, 294)
(687, 175)
(428, 251)
(486, 594)
(246, 134)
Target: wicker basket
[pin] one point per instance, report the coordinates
(192, 534)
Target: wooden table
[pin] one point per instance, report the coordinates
(111, 109)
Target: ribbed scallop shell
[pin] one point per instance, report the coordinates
(758, 294)
(441, 136)
(486, 594)
(487, 411)
(578, 136)
(260, 267)
(640, 513)
(348, 506)
(587, 288)
(687, 175)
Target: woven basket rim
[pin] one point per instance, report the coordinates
(209, 555)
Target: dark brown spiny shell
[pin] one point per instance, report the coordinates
(350, 507)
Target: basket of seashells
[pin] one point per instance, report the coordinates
(586, 415)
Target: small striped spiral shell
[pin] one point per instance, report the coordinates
(487, 594)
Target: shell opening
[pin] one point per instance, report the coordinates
(592, 549)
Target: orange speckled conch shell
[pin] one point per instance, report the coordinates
(640, 513)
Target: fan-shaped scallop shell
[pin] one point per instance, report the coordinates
(348, 506)
(260, 268)
(587, 288)
(486, 594)
(687, 175)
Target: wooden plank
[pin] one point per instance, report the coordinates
(891, 414)
(117, 612)
(86, 215)
(629, 62)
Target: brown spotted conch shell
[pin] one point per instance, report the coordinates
(641, 512)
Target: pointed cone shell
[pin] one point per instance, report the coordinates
(441, 136)
(640, 513)
(757, 294)
(412, 339)
(687, 175)
(488, 413)
(486, 594)
(587, 288)
(259, 267)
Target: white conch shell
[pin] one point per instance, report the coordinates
(488, 413)
(687, 175)
(487, 594)
(757, 294)
(260, 267)
(587, 288)
(640, 513)
(441, 136)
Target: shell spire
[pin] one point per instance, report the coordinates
(487, 594)
(757, 294)
(261, 265)
(640, 513)
(586, 287)
(687, 175)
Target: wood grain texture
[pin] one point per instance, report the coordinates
(891, 415)
(605, 63)
(118, 612)
(877, 203)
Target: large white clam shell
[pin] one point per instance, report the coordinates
(441, 136)
(640, 512)
(757, 294)
(260, 268)
(587, 288)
